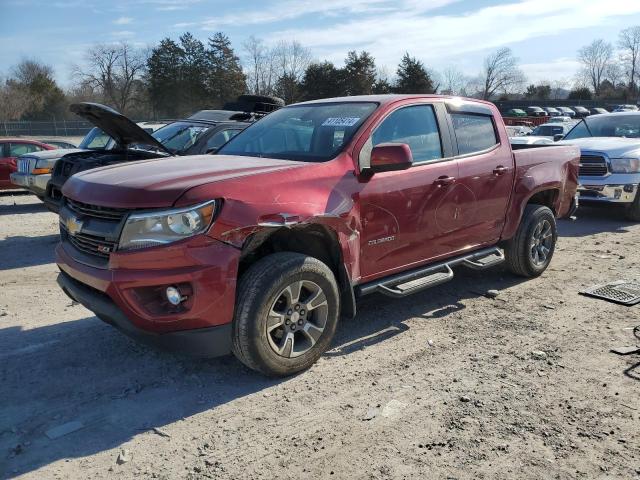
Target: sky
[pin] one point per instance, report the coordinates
(543, 34)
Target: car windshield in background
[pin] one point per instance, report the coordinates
(627, 126)
(179, 136)
(547, 131)
(96, 139)
(313, 132)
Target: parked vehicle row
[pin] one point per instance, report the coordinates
(259, 249)
(571, 112)
(116, 139)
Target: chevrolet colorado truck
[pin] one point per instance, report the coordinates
(261, 248)
(610, 163)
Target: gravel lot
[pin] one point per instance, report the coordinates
(446, 384)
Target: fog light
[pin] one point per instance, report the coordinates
(173, 296)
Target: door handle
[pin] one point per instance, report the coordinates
(500, 170)
(444, 180)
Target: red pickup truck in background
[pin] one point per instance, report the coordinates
(259, 249)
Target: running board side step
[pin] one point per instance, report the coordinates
(407, 283)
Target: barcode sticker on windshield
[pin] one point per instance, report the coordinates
(340, 122)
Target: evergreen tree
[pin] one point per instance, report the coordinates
(322, 80)
(225, 79)
(359, 73)
(193, 68)
(164, 78)
(413, 77)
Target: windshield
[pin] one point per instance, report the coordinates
(312, 132)
(179, 136)
(547, 130)
(96, 139)
(627, 126)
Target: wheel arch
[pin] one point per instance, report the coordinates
(312, 239)
(548, 196)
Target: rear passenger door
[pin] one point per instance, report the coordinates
(486, 171)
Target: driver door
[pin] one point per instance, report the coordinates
(408, 216)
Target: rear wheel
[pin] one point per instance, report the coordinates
(529, 252)
(286, 315)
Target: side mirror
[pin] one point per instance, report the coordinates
(557, 137)
(388, 157)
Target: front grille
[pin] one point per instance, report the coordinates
(23, 165)
(96, 211)
(593, 166)
(90, 244)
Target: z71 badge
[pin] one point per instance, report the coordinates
(378, 241)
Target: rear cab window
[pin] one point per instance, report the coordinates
(473, 132)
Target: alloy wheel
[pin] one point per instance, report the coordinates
(297, 318)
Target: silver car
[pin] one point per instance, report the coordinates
(610, 161)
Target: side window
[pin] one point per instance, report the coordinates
(417, 127)
(220, 138)
(17, 149)
(474, 133)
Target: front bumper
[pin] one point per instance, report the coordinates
(34, 183)
(203, 342)
(129, 293)
(623, 193)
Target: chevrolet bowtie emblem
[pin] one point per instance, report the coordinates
(73, 225)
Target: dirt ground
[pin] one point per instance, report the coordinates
(446, 384)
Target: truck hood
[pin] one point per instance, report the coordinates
(161, 181)
(52, 154)
(117, 126)
(614, 147)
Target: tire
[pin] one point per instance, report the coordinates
(633, 210)
(276, 344)
(529, 252)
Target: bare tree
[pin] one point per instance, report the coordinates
(28, 71)
(595, 59)
(14, 100)
(260, 66)
(629, 44)
(558, 87)
(116, 70)
(453, 81)
(291, 59)
(501, 73)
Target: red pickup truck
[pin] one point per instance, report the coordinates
(260, 249)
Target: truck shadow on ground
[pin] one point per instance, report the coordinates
(85, 371)
(594, 220)
(20, 251)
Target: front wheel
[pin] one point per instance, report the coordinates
(529, 252)
(633, 210)
(287, 311)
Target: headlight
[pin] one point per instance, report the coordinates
(42, 166)
(150, 229)
(625, 165)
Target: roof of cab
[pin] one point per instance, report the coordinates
(388, 98)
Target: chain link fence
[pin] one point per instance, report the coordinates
(55, 128)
